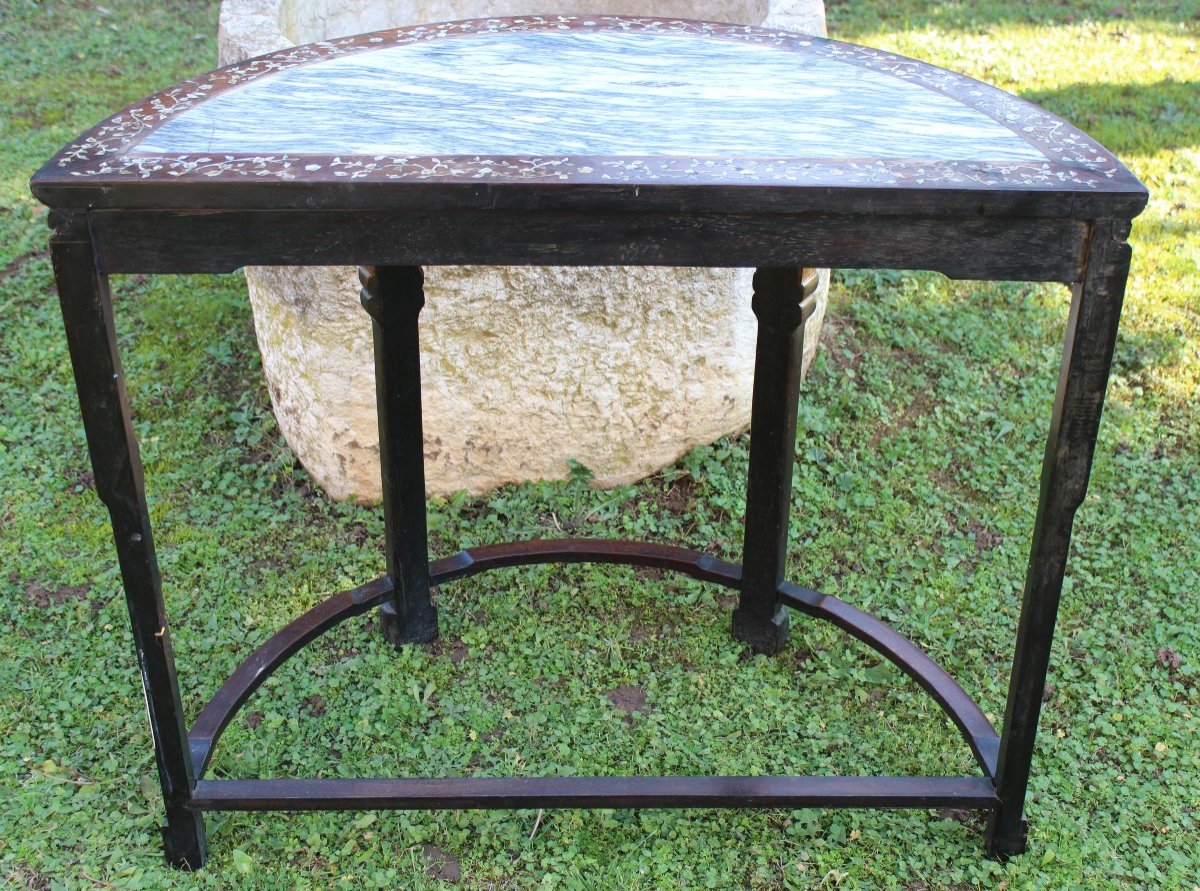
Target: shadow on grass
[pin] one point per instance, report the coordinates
(946, 325)
(851, 19)
(1129, 117)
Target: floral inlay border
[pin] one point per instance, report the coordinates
(1073, 160)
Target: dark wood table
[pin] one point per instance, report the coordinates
(579, 140)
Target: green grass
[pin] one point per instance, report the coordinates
(920, 437)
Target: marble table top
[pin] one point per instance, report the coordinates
(590, 100)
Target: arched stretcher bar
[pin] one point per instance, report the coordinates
(593, 791)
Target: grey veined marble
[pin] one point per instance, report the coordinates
(588, 93)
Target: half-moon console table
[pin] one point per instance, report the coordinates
(580, 140)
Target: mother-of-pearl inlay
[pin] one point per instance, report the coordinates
(589, 93)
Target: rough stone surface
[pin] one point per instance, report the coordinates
(523, 368)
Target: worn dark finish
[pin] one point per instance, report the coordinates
(116, 464)
(783, 301)
(120, 210)
(612, 792)
(394, 295)
(1087, 355)
(260, 196)
(961, 247)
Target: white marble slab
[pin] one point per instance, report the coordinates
(586, 94)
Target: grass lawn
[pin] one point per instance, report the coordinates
(921, 430)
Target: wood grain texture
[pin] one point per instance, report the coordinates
(220, 241)
(393, 296)
(86, 304)
(581, 792)
(1091, 337)
(782, 303)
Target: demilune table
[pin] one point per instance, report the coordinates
(589, 140)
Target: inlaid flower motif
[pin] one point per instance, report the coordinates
(108, 149)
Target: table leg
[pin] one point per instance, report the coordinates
(394, 296)
(783, 301)
(116, 463)
(1087, 354)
